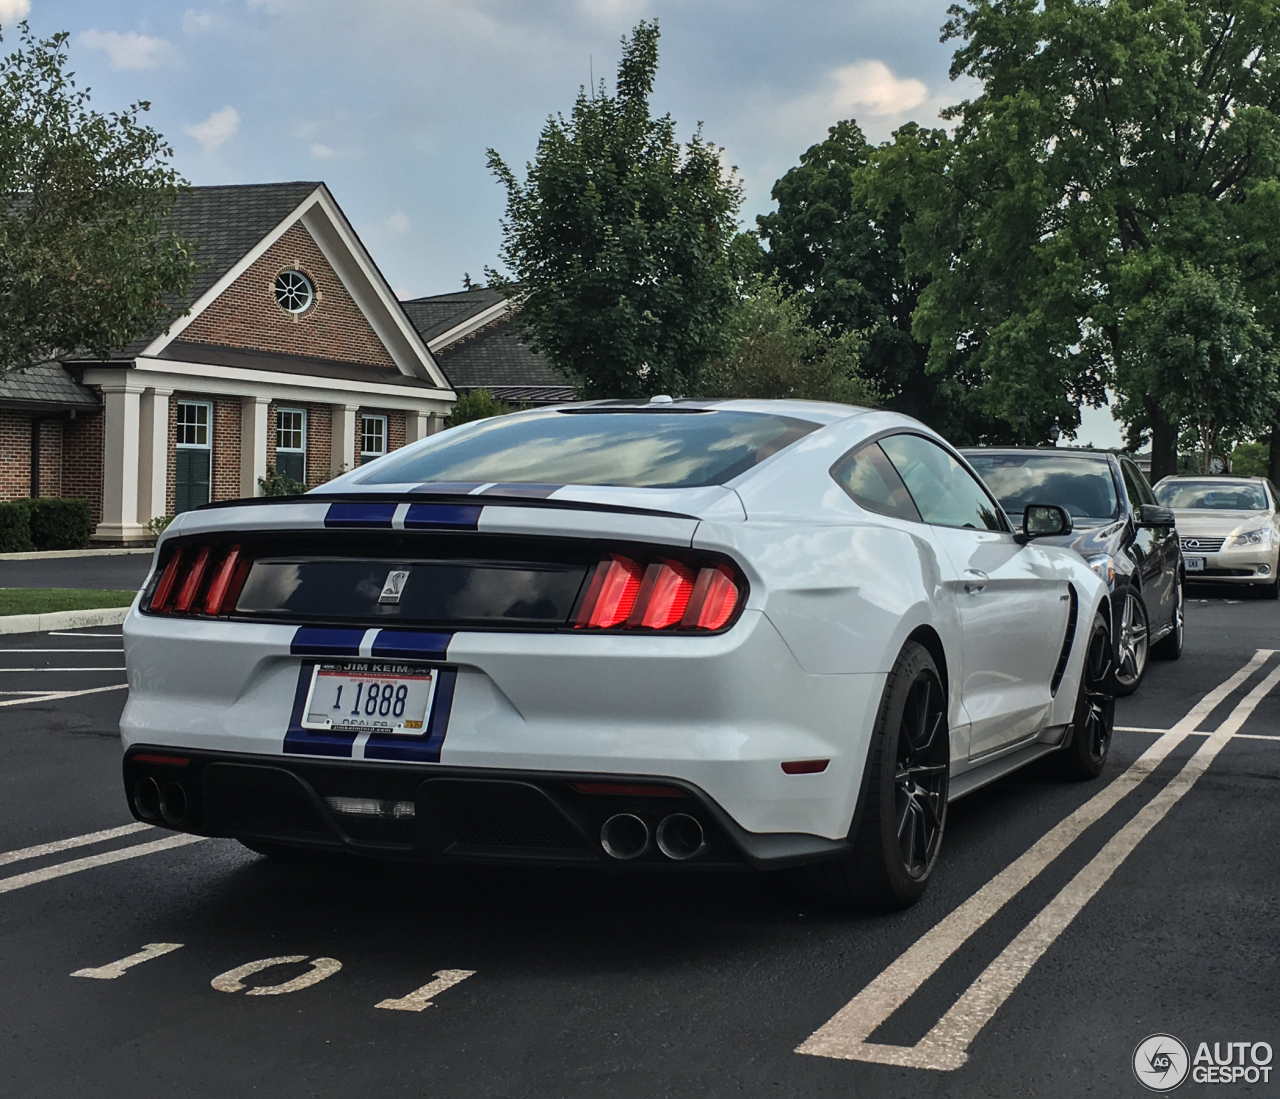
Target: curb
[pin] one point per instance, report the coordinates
(61, 620)
(46, 555)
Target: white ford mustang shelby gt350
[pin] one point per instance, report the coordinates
(673, 634)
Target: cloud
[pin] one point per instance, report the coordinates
(215, 130)
(128, 50)
(197, 22)
(13, 10)
(397, 222)
(872, 86)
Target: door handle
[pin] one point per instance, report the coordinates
(976, 582)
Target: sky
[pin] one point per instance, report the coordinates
(393, 103)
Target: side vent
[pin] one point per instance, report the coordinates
(1072, 614)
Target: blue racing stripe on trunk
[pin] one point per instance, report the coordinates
(412, 749)
(311, 641)
(442, 516)
(360, 515)
(411, 645)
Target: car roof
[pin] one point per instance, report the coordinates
(1225, 478)
(819, 412)
(1060, 451)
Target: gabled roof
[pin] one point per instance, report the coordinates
(46, 386)
(436, 316)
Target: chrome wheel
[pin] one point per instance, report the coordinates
(1131, 645)
(920, 777)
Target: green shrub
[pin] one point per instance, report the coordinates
(59, 523)
(479, 404)
(15, 526)
(276, 483)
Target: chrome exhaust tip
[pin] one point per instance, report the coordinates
(146, 798)
(680, 837)
(173, 804)
(624, 836)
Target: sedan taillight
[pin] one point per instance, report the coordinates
(200, 579)
(663, 595)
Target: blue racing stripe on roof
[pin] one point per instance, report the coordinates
(446, 516)
(360, 515)
(411, 644)
(312, 641)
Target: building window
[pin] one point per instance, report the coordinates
(294, 292)
(194, 459)
(373, 437)
(291, 443)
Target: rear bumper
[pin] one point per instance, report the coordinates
(451, 815)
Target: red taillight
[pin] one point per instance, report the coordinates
(611, 594)
(668, 594)
(200, 580)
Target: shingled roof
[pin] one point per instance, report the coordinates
(494, 357)
(47, 387)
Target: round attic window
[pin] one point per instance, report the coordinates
(294, 292)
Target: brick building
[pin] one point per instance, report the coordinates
(293, 353)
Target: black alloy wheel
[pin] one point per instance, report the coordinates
(1169, 647)
(1132, 644)
(1094, 719)
(902, 809)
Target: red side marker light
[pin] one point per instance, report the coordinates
(805, 766)
(164, 761)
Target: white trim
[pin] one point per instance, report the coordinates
(471, 324)
(178, 425)
(386, 442)
(235, 381)
(291, 449)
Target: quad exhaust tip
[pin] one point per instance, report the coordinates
(174, 804)
(680, 837)
(146, 798)
(624, 836)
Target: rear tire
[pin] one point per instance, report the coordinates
(1094, 719)
(897, 834)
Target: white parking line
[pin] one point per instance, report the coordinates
(116, 668)
(76, 633)
(845, 1035)
(62, 869)
(63, 650)
(1199, 732)
(50, 696)
(116, 969)
(53, 847)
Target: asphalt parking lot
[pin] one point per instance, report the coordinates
(1068, 923)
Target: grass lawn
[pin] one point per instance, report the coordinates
(46, 600)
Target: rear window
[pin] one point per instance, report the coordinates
(640, 449)
(1082, 485)
(1212, 496)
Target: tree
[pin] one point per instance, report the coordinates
(619, 240)
(1112, 144)
(775, 353)
(1210, 361)
(837, 239)
(478, 404)
(87, 259)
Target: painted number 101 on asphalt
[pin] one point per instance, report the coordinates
(358, 697)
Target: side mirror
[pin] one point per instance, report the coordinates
(1043, 521)
(1153, 515)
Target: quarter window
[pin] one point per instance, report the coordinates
(869, 478)
(373, 437)
(944, 492)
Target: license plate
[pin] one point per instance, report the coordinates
(372, 698)
(1194, 564)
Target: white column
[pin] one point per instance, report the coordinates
(253, 443)
(121, 416)
(342, 447)
(153, 454)
(437, 423)
(417, 425)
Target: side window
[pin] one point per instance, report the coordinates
(1275, 496)
(869, 478)
(945, 493)
(1136, 485)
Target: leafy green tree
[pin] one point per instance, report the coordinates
(478, 404)
(1250, 459)
(619, 242)
(1112, 144)
(87, 259)
(774, 352)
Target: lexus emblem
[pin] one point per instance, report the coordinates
(394, 587)
(1190, 543)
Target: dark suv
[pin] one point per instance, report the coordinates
(1119, 529)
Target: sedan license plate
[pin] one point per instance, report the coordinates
(372, 698)
(1194, 564)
